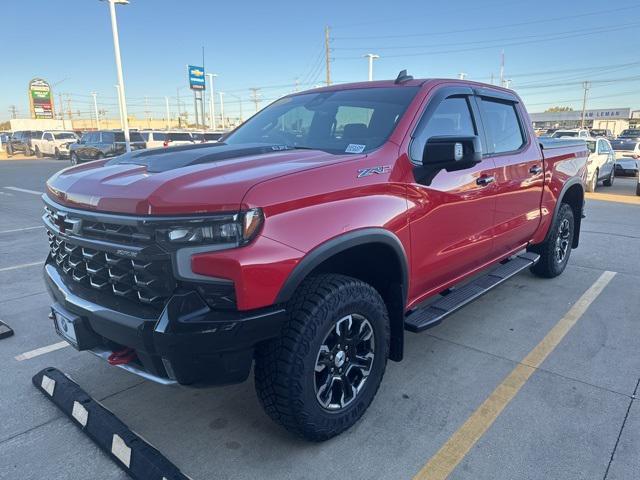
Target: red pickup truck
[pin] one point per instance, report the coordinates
(309, 239)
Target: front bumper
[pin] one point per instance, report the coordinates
(187, 343)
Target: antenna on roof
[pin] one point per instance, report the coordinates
(403, 77)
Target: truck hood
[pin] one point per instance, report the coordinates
(180, 180)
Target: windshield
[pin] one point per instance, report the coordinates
(65, 135)
(561, 133)
(630, 133)
(350, 121)
(623, 145)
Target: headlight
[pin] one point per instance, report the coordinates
(230, 230)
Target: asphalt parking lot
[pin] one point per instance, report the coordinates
(575, 417)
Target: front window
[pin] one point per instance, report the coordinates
(339, 121)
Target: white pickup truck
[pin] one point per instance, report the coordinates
(53, 143)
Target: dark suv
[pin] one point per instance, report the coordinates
(101, 144)
(20, 141)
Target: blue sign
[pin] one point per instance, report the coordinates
(196, 78)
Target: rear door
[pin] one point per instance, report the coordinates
(451, 213)
(519, 164)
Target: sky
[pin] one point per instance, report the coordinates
(550, 48)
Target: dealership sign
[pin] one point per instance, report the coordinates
(40, 99)
(196, 78)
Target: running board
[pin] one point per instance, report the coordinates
(456, 298)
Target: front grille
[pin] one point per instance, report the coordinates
(149, 282)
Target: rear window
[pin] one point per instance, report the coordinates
(502, 125)
(561, 134)
(630, 133)
(622, 145)
(133, 136)
(591, 145)
(179, 136)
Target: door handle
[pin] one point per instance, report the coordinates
(485, 180)
(535, 170)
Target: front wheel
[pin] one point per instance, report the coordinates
(555, 250)
(638, 188)
(609, 181)
(318, 378)
(56, 154)
(38, 153)
(593, 183)
(74, 158)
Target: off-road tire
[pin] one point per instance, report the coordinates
(612, 176)
(549, 266)
(284, 367)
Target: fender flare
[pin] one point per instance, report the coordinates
(570, 183)
(338, 244)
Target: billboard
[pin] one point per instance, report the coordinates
(40, 99)
(196, 78)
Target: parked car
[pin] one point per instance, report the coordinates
(601, 132)
(310, 253)
(207, 137)
(571, 133)
(630, 134)
(53, 143)
(100, 144)
(627, 156)
(20, 141)
(159, 138)
(600, 163)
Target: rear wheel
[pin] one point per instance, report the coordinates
(638, 189)
(555, 250)
(321, 374)
(609, 181)
(27, 151)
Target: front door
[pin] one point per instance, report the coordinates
(450, 213)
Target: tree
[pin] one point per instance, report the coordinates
(559, 109)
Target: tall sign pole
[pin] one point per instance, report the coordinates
(116, 48)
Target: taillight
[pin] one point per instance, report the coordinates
(165, 144)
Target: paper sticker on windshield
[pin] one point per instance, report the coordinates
(355, 148)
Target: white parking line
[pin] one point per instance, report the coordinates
(24, 265)
(41, 351)
(24, 190)
(21, 229)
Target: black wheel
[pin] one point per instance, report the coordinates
(9, 150)
(56, 154)
(321, 374)
(555, 251)
(638, 188)
(593, 183)
(27, 151)
(38, 153)
(609, 181)
(74, 158)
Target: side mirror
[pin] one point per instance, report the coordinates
(452, 153)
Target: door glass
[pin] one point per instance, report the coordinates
(501, 123)
(451, 118)
(108, 137)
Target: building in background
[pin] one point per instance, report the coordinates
(614, 119)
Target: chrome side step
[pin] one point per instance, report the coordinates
(456, 298)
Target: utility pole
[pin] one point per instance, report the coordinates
(119, 106)
(166, 102)
(462, 75)
(371, 57)
(222, 109)
(239, 102)
(69, 112)
(491, 81)
(212, 103)
(13, 111)
(95, 108)
(116, 49)
(327, 39)
(146, 111)
(502, 69)
(297, 84)
(179, 113)
(586, 86)
(254, 97)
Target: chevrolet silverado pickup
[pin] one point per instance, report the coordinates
(309, 240)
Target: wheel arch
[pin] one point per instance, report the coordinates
(572, 194)
(373, 255)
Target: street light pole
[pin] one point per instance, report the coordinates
(119, 106)
(239, 101)
(212, 103)
(586, 86)
(371, 57)
(116, 49)
(222, 108)
(166, 101)
(95, 108)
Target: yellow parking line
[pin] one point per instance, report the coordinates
(440, 466)
(608, 197)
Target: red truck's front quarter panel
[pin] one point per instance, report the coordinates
(304, 210)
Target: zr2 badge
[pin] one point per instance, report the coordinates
(365, 172)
